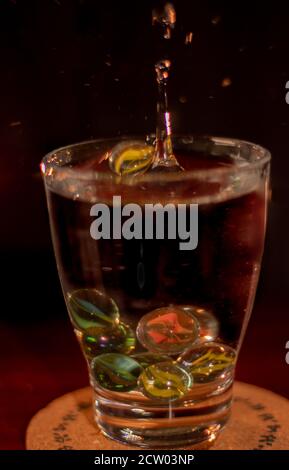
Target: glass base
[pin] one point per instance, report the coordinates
(140, 422)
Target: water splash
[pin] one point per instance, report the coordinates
(227, 81)
(216, 20)
(166, 17)
(189, 38)
(134, 157)
(163, 146)
(164, 156)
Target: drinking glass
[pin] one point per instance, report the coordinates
(159, 318)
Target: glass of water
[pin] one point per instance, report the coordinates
(159, 271)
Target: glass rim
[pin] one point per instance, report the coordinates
(51, 162)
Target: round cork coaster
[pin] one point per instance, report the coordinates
(260, 420)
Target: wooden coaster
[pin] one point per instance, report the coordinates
(260, 420)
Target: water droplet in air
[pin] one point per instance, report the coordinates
(183, 99)
(227, 81)
(162, 70)
(166, 16)
(216, 20)
(189, 38)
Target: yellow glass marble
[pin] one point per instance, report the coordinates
(164, 381)
(130, 157)
(208, 362)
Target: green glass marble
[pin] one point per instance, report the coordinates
(130, 157)
(168, 330)
(208, 362)
(116, 372)
(90, 308)
(164, 381)
(148, 359)
(119, 339)
(208, 323)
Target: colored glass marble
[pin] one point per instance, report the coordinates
(130, 157)
(116, 372)
(118, 339)
(164, 381)
(168, 330)
(208, 362)
(148, 359)
(208, 323)
(90, 308)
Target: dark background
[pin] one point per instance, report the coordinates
(73, 70)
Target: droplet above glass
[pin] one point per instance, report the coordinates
(208, 362)
(165, 16)
(116, 372)
(208, 323)
(164, 158)
(189, 37)
(162, 68)
(119, 339)
(90, 308)
(130, 157)
(168, 330)
(164, 381)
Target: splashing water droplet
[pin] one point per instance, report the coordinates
(183, 99)
(134, 157)
(227, 81)
(189, 38)
(165, 16)
(216, 20)
(164, 156)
